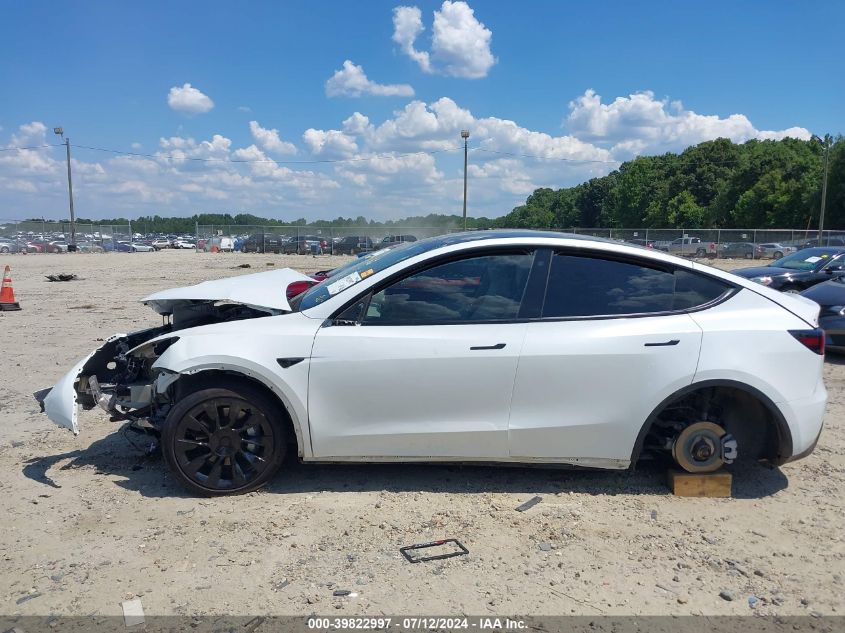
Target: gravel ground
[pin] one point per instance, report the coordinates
(91, 523)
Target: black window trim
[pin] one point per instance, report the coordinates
(513, 249)
(625, 258)
(542, 254)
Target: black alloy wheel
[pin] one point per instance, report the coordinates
(224, 440)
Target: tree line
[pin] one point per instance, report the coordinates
(715, 184)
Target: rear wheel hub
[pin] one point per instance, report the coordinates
(697, 449)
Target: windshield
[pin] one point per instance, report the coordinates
(807, 259)
(359, 269)
(350, 274)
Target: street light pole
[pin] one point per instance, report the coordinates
(824, 191)
(72, 244)
(465, 136)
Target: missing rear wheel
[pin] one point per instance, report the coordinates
(698, 448)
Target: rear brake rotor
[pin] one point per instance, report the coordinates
(698, 448)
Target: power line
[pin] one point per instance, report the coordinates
(268, 160)
(571, 160)
(13, 149)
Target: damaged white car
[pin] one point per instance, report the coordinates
(500, 346)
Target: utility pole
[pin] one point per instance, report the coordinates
(824, 189)
(72, 244)
(465, 136)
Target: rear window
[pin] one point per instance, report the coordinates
(586, 286)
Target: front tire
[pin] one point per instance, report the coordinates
(224, 441)
(700, 252)
(777, 255)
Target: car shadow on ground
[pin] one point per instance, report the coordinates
(115, 456)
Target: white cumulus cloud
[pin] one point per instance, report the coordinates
(352, 81)
(188, 100)
(460, 44)
(639, 124)
(407, 25)
(269, 139)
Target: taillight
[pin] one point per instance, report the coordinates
(813, 340)
(298, 287)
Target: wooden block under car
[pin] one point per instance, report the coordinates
(684, 484)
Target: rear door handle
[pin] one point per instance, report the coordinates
(674, 341)
(496, 346)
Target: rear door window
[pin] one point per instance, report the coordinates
(580, 286)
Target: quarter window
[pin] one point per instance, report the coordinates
(586, 286)
(484, 288)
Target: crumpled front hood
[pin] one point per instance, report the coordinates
(262, 291)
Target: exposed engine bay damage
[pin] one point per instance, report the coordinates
(120, 377)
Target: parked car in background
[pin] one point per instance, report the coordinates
(57, 246)
(745, 250)
(830, 295)
(159, 243)
(352, 245)
(775, 250)
(800, 270)
(833, 240)
(493, 346)
(303, 245)
(392, 240)
(222, 244)
(89, 247)
(9, 246)
(141, 247)
(263, 243)
(692, 247)
(184, 244)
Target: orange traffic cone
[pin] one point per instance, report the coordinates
(7, 294)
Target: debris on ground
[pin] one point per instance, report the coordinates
(271, 263)
(726, 594)
(533, 501)
(338, 593)
(460, 551)
(28, 597)
(62, 277)
(133, 612)
(243, 266)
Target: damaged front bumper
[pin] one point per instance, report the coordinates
(111, 377)
(60, 402)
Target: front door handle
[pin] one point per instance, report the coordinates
(674, 341)
(496, 346)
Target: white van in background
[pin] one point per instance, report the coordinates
(223, 244)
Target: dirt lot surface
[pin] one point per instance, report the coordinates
(89, 523)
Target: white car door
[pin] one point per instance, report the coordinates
(427, 371)
(612, 343)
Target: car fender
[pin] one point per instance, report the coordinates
(257, 355)
(783, 428)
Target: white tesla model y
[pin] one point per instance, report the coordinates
(500, 346)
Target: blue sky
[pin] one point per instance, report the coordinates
(576, 86)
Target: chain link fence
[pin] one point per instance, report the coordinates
(42, 236)
(722, 243)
